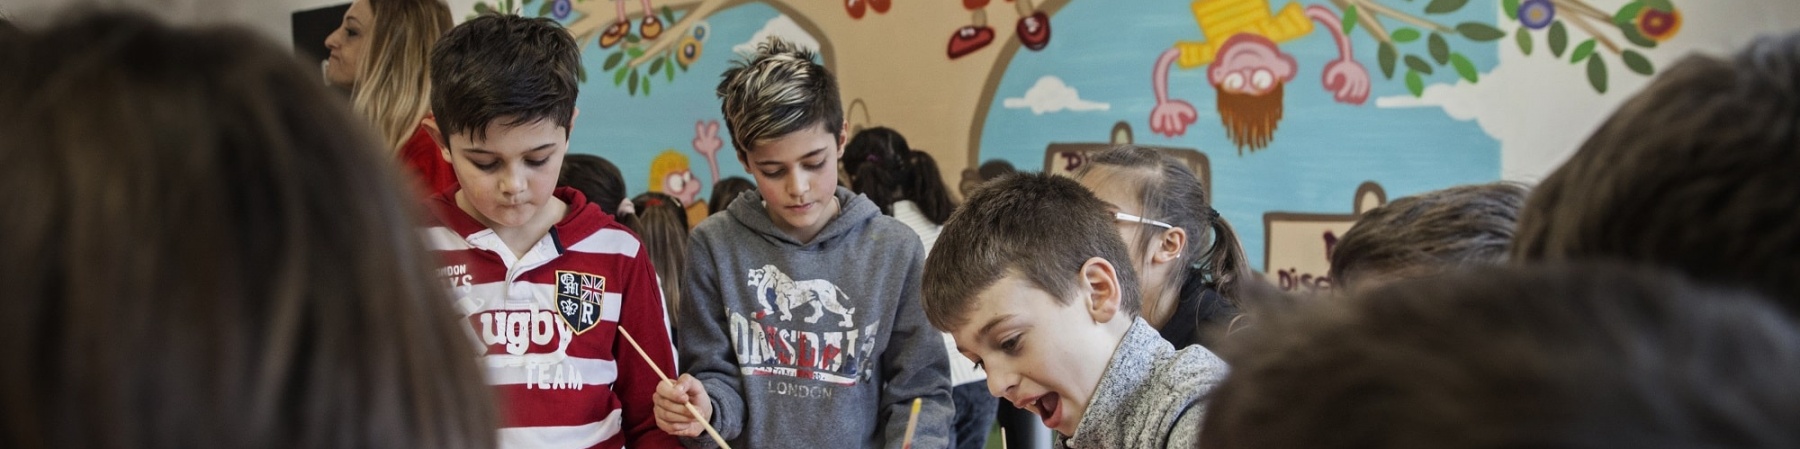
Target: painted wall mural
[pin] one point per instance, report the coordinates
(1312, 102)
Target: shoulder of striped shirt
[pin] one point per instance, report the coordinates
(604, 241)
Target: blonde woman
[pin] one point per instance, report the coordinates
(380, 53)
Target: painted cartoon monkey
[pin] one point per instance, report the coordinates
(1248, 70)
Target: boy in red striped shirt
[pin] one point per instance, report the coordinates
(547, 280)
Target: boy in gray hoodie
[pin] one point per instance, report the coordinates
(802, 325)
(1023, 278)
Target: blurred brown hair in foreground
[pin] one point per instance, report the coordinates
(202, 248)
(1503, 357)
(1699, 172)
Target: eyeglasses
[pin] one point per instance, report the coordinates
(1121, 216)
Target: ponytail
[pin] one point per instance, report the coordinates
(1222, 265)
(925, 187)
(885, 169)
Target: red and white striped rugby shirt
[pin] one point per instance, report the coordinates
(546, 325)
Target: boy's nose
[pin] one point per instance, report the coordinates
(513, 182)
(999, 382)
(798, 184)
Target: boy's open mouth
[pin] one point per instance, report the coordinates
(1047, 407)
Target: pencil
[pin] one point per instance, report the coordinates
(690, 407)
(912, 423)
(1003, 438)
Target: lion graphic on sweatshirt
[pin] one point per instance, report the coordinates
(789, 294)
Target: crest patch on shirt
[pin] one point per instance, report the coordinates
(578, 297)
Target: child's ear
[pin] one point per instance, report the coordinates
(1169, 247)
(843, 138)
(431, 128)
(1103, 292)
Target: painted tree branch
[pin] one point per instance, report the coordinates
(670, 36)
(1373, 7)
(1367, 21)
(1582, 23)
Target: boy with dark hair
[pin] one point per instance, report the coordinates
(1024, 277)
(1697, 172)
(1428, 233)
(1547, 356)
(549, 281)
(597, 179)
(801, 324)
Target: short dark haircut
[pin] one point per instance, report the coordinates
(776, 92)
(725, 191)
(235, 265)
(1700, 172)
(1041, 226)
(597, 179)
(995, 168)
(1495, 357)
(503, 67)
(1430, 232)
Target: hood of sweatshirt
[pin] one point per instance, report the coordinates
(854, 210)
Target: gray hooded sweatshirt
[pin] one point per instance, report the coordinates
(812, 345)
(1150, 396)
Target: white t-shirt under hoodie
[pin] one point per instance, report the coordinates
(962, 370)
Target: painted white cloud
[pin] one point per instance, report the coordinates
(1051, 95)
(1541, 108)
(780, 26)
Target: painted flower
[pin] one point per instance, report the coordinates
(561, 9)
(688, 51)
(1537, 14)
(1657, 24)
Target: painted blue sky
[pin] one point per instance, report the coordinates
(1322, 149)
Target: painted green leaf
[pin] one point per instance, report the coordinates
(1582, 51)
(1350, 17)
(646, 86)
(1524, 39)
(633, 83)
(670, 73)
(1627, 13)
(1664, 5)
(634, 52)
(1405, 35)
(549, 6)
(483, 9)
(633, 38)
(1444, 6)
(1477, 31)
(1387, 55)
(1418, 64)
(1597, 73)
(656, 66)
(1637, 63)
(668, 14)
(1440, 50)
(1559, 38)
(1510, 8)
(613, 61)
(619, 76)
(581, 74)
(1415, 84)
(1631, 34)
(1464, 68)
